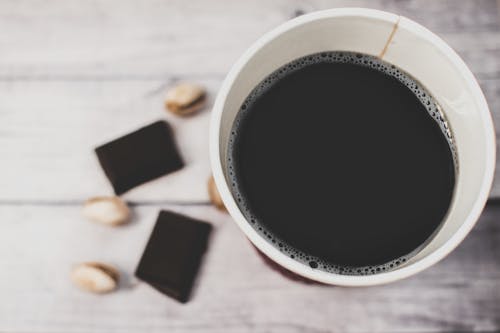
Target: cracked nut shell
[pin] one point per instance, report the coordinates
(214, 195)
(106, 210)
(95, 277)
(185, 98)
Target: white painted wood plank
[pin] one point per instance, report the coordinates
(236, 291)
(48, 131)
(74, 74)
(119, 37)
(151, 38)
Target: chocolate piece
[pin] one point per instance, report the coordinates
(173, 254)
(140, 156)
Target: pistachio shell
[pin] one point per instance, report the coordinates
(95, 277)
(214, 194)
(185, 98)
(106, 210)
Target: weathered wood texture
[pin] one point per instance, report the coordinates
(235, 291)
(74, 74)
(49, 129)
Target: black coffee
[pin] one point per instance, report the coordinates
(343, 162)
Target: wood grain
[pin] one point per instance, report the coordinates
(153, 38)
(49, 130)
(75, 74)
(236, 291)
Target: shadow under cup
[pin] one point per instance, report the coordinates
(416, 51)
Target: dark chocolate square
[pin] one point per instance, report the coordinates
(138, 157)
(173, 254)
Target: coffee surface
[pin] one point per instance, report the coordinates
(343, 162)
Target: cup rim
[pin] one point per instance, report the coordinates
(333, 278)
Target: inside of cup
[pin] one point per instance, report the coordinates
(413, 49)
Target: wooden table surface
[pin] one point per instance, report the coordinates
(75, 74)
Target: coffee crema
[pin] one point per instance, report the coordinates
(343, 162)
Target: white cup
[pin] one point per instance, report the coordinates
(410, 47)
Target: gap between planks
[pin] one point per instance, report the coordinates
(133, 203)
(169, 77)
(494, 201)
